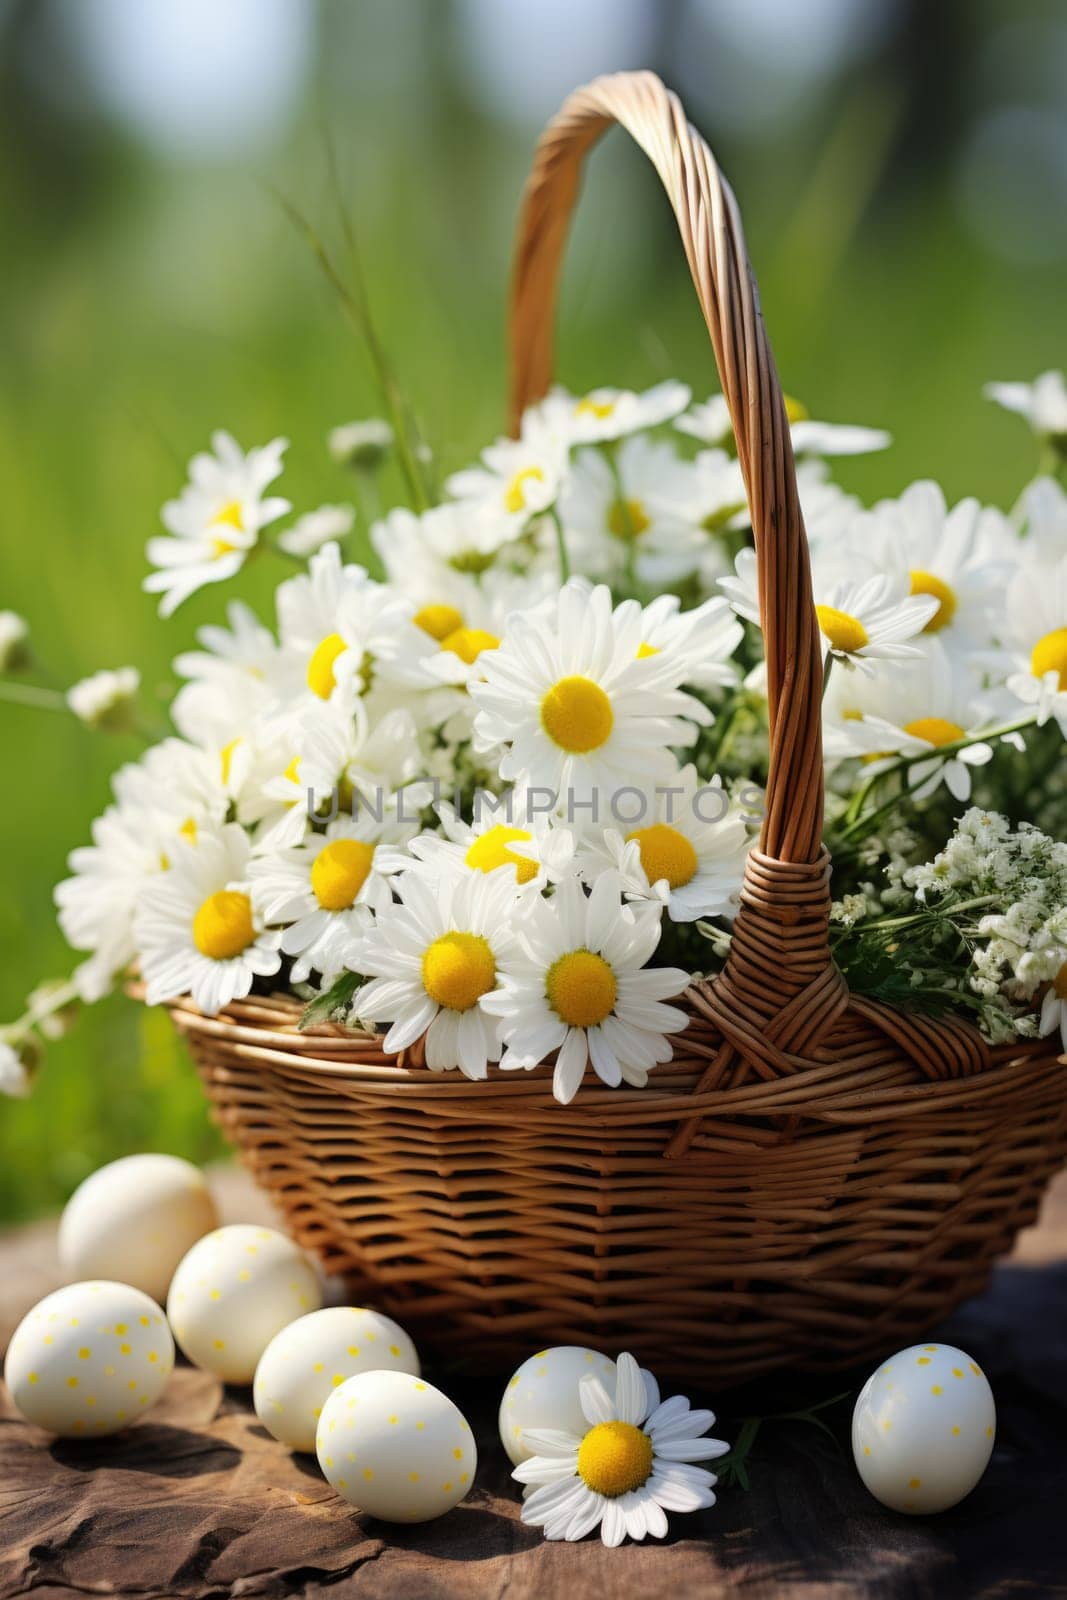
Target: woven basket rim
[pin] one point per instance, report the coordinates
(815, 1093)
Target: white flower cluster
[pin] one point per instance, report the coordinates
(475, 799)
(1021, 944)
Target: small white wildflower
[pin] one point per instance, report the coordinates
(105, 700)
(361, 444)
(18, 1059)
(14, 637)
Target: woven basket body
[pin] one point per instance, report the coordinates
(815, 1177)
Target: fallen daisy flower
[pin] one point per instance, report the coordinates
(632, 1466)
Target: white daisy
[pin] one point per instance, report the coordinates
(14, 642)
(1042, 511)
(683, 846)
(577, 706)
(517, 478)
(96, 903)
(435, 960)
(324, 890)
(341, 630)
(425, 556)
(216, 519)
(710, 423)
(606, 414)
(1042, 403)
(1054, 1007)
(106, 700)
(701, 641)
(913, 711)
(861, 619)
(632, 1466)
(962, 558)
(582, 988)
(643, 512)
(506, 830)
(196, 929)
(230, 679)
(316, 528)
(1033, 629)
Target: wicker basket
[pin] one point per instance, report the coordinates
(815, 1177)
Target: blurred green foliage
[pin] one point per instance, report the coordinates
(147, 303)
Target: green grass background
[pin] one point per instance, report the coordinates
(146, 303)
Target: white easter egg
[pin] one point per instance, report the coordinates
(314, 1355)
(233, 1291)
(396, 1447)
(923, 1428)
(89, 1359)
(133, 1220)
(543, 1393)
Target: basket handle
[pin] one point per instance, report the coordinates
(710, 226)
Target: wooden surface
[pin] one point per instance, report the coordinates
(197, 1500)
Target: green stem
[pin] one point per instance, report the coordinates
(827, 668)
(561, 546)
(356, 312)
(858, 822)
(29, 694)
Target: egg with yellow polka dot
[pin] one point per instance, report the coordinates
(396, 1447)
(923, 1428)
(309, 1359)
(89, 1359)
(234, 1290)
(543, 1393)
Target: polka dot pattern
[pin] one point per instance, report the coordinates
(396, 1447)
(543, 1393)
(231, 1294)
(923, 1429)
(70, 1369)
(315, 1355)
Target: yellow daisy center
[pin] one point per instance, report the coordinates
(515, 493)
(935, 730)
(628, 519)
(577, 716)
(614, 1458)
(228, 516)
(226, 758)
(292, 771)
(468, 643)
(221, 547)
(188, 829)
(1050, 655)
(581, 988)
(492, 851)
(844, 631)
(320, 675)
(929, 583)
(665, 853)
(457, 969)
(795, 410)
(438, 620)
(222, 927)
(646, 650)
(339, 872)
(601, 409)
(1059, 982)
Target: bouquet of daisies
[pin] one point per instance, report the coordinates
(490, 779)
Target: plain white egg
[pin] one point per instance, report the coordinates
(396, 1447)
(314, 1355)
(233, 1291)
(543, 1393)
(923, 1428)
(89, 1359)
(133, 1220)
